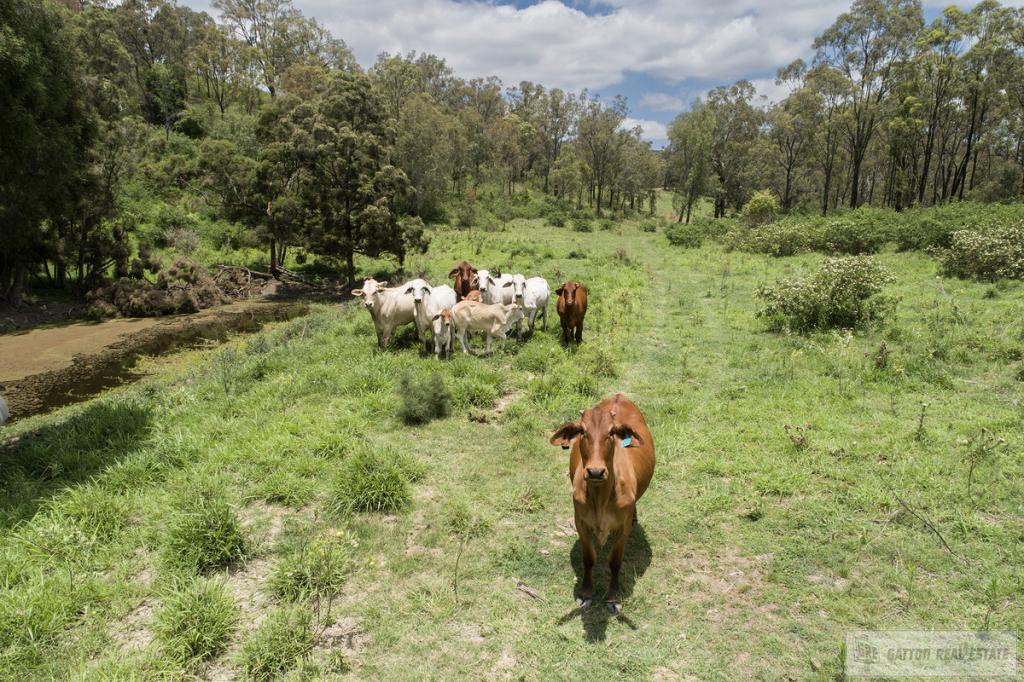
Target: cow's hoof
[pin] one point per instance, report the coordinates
(614, 607)
(582, 602)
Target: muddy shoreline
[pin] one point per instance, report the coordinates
(87, 374)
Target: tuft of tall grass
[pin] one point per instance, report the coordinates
(279, 644)
(196, 620)
(374, 481)
(203, 532)
(314, 568)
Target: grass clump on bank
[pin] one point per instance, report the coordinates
(279, 644)
(196, 620)
(374, 481)
(314, 567)
(203, 532)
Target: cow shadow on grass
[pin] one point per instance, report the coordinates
(43, 462)
(635, 563)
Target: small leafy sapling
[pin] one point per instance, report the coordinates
(979, 450)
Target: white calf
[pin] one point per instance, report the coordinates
(444, 331)
(428, 301)
(494, 319)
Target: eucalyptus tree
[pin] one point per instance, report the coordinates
(865, 44)
(600, 140)
(689, 157)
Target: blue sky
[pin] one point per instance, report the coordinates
(660, 54)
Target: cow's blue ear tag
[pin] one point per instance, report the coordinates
(626, 441)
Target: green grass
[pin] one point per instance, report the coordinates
(196, 620)
(757, 547)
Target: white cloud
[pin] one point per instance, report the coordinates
(660, 101)
(772, 92)
(653, 131)
(559, 45)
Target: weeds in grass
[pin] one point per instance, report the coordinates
(919, 432)
(979, 450)
(203, 532)
(798, 435)
(463, 525)
(279, 644)
(422, 398)
(314, 568)
(195, 620)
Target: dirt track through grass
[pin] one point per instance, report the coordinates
(756, 551)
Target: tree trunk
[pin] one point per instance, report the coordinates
(274, 270)
(18, 284)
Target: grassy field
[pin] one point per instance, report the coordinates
(207, 522)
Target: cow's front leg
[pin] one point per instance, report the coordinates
(589, 555)
(612, 599)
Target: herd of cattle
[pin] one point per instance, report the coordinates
(480, 302)
(611, 460)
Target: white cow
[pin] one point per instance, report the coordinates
(427, 302)
(389, 308)
(444, 332)
(494, 319)
(494, 289)
(532, 296)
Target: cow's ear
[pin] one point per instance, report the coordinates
(565, 435)
(383, 284)
(622, 431)
(357, 292)
(560, 290)
(454, 272)
(506, 285)
(409, 290)
(435, 317)
(473, 270)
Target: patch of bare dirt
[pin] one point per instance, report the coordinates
(728, 584)
(505, 666)
(412, 546)
(134, 632)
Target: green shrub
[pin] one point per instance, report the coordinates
(373, 481)
(280, 643)
(196, 620)
(606, 224)
(760, 209)
(986, 255)
(582, 225)
(784, 238)
(844, 293)
(849, 236)
(316, 568)
(422, 398)
(688, 236)
(203, 532)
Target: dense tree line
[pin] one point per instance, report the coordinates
(890, 111)
(126, 122)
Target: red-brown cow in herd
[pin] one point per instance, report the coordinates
(465, 278)
(572, 308)
(610, 465)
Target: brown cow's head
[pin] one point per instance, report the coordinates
(464, 275)
(597, 432)
(568, 291)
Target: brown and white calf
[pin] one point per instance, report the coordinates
(611, 463)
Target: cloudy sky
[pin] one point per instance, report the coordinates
(661, 54)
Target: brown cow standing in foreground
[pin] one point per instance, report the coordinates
(572, 308)
(610, 466)
(465, 279)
